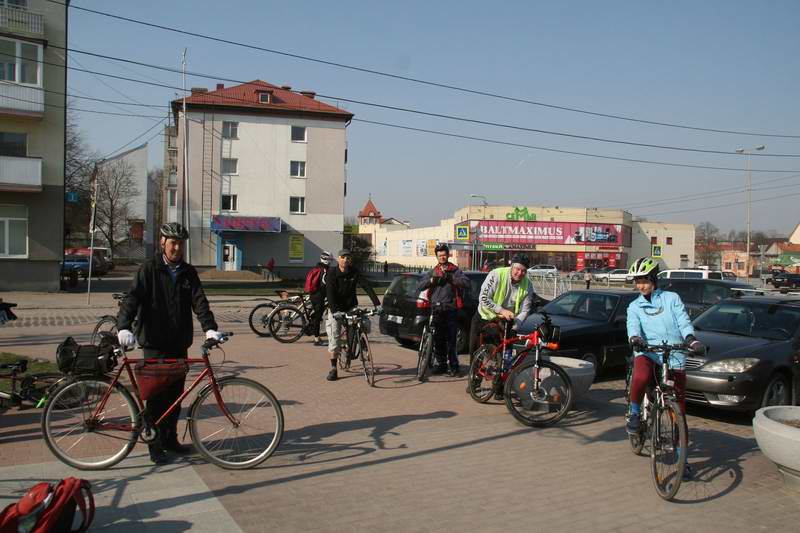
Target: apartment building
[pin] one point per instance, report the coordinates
(32, 129)
(266, 176)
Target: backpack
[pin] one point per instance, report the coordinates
(50, 509)
(313, 280)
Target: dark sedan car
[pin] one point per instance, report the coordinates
(593, 325)
(786, 279)
(700, 294)
(752, 345)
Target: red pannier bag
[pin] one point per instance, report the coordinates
(50, 509)
(153, 378)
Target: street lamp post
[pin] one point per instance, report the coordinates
(748, 151)
(478, 232)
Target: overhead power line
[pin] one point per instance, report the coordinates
(443, 115)
(112, 113)
(704, 208)
(420, 80)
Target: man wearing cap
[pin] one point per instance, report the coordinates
(506, 294)
(341, 282)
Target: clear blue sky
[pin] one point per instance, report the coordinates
(717, 64)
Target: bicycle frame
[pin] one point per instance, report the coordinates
(532, 341)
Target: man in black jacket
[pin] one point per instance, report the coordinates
(164, 293)
(341, 282)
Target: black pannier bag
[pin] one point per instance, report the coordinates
(86, 359)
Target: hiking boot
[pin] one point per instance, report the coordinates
(454, 371)
(176, 447)
(688, 472)
(633, 425)
(158, 455)
(439, 369)
(333, 375)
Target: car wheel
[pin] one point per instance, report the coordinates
(777, 391)
(407, 343)
(592, 358)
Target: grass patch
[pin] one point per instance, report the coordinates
(35, 366)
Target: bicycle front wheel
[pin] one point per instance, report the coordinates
(259, 319)
(252, 436)
(86, 433)
(365, 353)
(287, 323)
(424, 355)
(538, 400)
(484, 373)
(668, 443)
(106, 324)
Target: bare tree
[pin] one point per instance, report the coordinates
(79, 162)
(706, 243)
(116, 187)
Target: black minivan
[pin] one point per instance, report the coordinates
(404, 314)
(700, 294)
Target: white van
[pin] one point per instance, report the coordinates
(690, 273)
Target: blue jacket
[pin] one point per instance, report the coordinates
(663, 318)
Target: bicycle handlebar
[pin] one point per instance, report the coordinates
(661, 348)
(212, 343)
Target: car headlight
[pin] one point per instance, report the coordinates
(732, 366)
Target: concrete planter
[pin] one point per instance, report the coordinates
(780, 442)
(580, 372)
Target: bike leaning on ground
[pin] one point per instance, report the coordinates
(32, 388)
(93, 421)
(662, 423)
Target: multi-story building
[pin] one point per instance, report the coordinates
(266, 176)
(32, 131)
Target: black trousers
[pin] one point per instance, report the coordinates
(158, 404)
(318, 306)
(475, 329)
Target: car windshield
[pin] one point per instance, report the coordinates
(404, 285)
(751, 319)
(588, 305)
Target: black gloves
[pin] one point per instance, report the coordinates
(695, 345)
(637, 343)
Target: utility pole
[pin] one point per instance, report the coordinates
(186, 212)
(749, 193)
(92, 227)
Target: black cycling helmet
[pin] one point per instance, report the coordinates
(441, 247)
(174, 230)
(521, 259)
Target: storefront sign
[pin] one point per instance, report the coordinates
(462, 232)
(221, 223)
(296, 248)
(492, 246)
(528, 233)
(520, 213)
(405, 248)
(422, 248)
(431, 246)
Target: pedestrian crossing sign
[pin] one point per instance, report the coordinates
(656, 251)
(462, 233)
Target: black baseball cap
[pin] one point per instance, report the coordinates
(344, 252)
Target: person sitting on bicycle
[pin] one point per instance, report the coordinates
(507, 295)
(317, 294)
(341, 281)
(445, 283)
(655, 317)
(164, 293)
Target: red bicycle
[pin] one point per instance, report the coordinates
(92, 422)
(537, 392)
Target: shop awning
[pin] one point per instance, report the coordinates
(788, 259)
(220, 223)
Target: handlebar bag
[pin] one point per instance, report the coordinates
(153, 378)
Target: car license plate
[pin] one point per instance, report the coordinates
(394, 318)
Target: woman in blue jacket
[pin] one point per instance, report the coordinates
(655, 317)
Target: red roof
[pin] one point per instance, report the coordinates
(369, 210)
(248, 95)
(788, 247)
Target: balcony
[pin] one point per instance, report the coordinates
(20, 174)
(21, 100)
(21, 22)
(172, 181)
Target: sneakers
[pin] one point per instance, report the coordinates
(454, 371)
(177, 448)
(633, 425)
(333, 375)
(158, 455)
(439, 369)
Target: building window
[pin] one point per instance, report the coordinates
(13, 231)
(14, 144)
(297, 169)
(230, 165)
(14, 4)
(172, 197)
(669, 240)
(264, 98)
(297, 204)
(298, 134)
(229, 202)
(19, 62)
(653, 240)
(727, 265)
(230, 130)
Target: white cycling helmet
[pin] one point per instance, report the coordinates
(325, 258)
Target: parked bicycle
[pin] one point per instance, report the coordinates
(357, 328)
(31, 388)
(537, 392)
(92, 422)
(662, 423)
(259, 316)
(425, 357)
(108, 323)
(6, 314)
(291, 320)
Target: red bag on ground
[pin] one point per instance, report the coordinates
(153, 378)
(50, 509)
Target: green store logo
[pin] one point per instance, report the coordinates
(520, 213)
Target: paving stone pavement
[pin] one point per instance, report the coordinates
(409, 456)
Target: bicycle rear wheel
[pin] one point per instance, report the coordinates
(245, 443)
(35, 388)
(287, 323)
(259, 319)
(484, 372)
(543, 405)
(424, 355)
(106, 324)
(365, 353)
(668, 443)
(79, 438)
